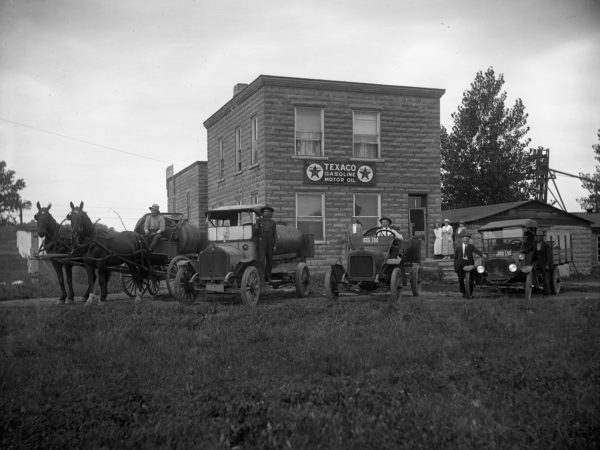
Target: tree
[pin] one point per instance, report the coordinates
(483, 159)
(592, 184)
(10, 199)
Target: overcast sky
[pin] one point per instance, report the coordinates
(98, 97)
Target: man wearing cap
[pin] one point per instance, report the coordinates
(154, 226)
(463, 256)
(265, 236)
(386, 230)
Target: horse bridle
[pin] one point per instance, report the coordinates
(53, 235)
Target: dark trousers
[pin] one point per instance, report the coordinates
(461, 277)
(155, 238)
(265, 256)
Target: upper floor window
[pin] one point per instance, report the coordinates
(238, 149)
(254, 144)
(309, 131)
(221, 160)
(366, 135)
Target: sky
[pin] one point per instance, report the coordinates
(99, 97)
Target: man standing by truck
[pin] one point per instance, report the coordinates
(265, 237)
(463, 256)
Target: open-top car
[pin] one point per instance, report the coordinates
(376, 261)
(230, 262)
(516, 257)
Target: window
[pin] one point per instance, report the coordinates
(238, 149)
(366, 208)
(188, 205)
(221, 160)
(366, 135)
(254, 198)
(309, 215)
(309, 132)
(254, 145)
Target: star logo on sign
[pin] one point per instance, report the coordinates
(365, 174)
(314, 172)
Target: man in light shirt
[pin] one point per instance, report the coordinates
(386, 230)
(154, 226)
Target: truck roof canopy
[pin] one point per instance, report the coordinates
(525, 223)
(225, 212)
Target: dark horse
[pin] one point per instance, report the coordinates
(102, 248)
(57, 241)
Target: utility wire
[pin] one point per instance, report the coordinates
(64, 136)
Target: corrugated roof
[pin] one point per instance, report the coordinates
(592, 217)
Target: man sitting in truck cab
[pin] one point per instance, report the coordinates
(386, 230)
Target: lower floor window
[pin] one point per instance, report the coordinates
(309, 215)
(366, 209)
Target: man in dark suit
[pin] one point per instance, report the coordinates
(265, 236)
(463, 256)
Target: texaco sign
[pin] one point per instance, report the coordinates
(339, 172)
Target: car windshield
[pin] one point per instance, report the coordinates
(231, 226)
(505, 239)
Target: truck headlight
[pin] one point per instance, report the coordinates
(521, 256)
(512, 268)
(480, 269)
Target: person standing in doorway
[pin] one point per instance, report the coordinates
(460, 232)
(463, 256)
(447, 242)
(437, 243)
(265, 235)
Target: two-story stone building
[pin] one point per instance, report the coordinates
(321, 152)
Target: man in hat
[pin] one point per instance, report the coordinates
(154, 226)
(265, 236)
(463, 256)
(386, 230)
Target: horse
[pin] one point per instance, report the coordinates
(57, 240)
(102, 248)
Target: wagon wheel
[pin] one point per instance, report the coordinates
(152, 285)
(172, 273)
(302, 280)
(250, 286)
(331, 286)
(129, 286)
(396, 285)
(415, 280)
(183, 287)
(555, 282)
(528, 285)
(467, 282)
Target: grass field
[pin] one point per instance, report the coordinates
(434, 371)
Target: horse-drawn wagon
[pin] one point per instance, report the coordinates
(230, 263)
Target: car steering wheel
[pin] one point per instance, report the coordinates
(382, 232)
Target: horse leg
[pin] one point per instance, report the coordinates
(89, 294)
(69, 273)
(103, 280)
(61, 282)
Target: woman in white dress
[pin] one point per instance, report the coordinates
(437, 243)
(447, 241)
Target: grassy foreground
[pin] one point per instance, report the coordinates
(303, 374)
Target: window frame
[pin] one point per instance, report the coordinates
(354, 134)
(238, 149)
(322, 216)
(254, 141)
(322, 131)
(221, 159)
(365, 216)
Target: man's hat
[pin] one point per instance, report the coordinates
(467, 235)
(154, 206)
(447, 220)
(386, 218)
(266, 208)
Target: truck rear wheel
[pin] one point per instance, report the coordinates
(415, 280)
(396, 285)
(302, 280)
(250, 286)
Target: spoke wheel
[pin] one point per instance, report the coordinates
(172, 273)
(152, 285)
(129, 285)
(184, 285)
(302, 280)
(396, 285)
(555, 286)
(250, 287)
(467, 282)
(415, 280)
(528, 285)
(331, 286)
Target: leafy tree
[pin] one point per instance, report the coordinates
(483, 158)
(10, 199)
(592, 184)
